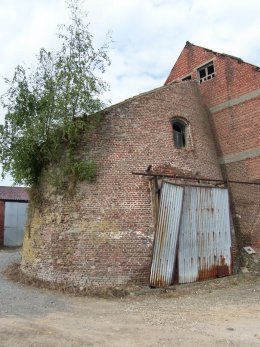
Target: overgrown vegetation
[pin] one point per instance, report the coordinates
(44, 104)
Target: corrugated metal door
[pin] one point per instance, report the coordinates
(204, 238)
(188, 247)
(15, 218)
(166, 236)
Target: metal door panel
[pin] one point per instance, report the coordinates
(204, 239)
(188, 261)
(166, 236)
(15, 218)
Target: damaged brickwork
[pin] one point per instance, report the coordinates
(103, 233)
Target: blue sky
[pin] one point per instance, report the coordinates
(147, 35)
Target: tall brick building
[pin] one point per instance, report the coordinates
(230, 89)
(185, 140)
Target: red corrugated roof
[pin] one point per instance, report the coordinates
(13, 193)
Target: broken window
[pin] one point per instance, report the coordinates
(179, 130)
(206, 72)
(187, 78)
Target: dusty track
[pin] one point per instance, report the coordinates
(219, 313)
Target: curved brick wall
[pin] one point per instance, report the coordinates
(103, 233)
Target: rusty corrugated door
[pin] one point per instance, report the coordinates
(166, 236)
(204, 238)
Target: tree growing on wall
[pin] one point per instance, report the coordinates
(44, 104)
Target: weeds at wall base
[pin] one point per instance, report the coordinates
(13, 272)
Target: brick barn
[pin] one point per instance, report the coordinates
(176, 194)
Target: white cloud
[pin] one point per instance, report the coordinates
(148, 35)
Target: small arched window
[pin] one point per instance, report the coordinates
(179, 133)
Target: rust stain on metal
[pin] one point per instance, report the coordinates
(223, 269)
(158, 282)
(213, 272)
(207, 273)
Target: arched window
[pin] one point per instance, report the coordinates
(179, 133)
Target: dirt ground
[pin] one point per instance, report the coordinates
(223, 312)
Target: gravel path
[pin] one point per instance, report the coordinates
(22, 301)
(217, 313)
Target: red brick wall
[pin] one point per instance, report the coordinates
(237, 128)
(103, 234)
(232, 77)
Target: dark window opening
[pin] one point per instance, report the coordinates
(206, 72)
(179, 130)
(210, 69)
(202, 73)
(187, 78)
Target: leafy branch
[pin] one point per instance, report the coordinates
(44, 104)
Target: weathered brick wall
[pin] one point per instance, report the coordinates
(237, 128)
(238, 131)
(232, 76)
(103, 234)
(246, 216)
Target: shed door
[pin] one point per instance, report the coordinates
(204, 239)
(166, 236)
(194, 224)
(15, 218)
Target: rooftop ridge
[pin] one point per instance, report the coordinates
(222, 54)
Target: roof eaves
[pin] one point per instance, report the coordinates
(8, 193)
